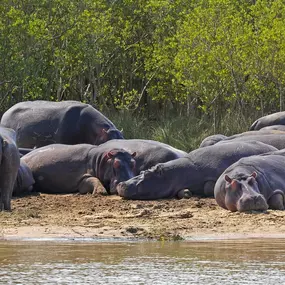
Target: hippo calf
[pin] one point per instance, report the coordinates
(198, 171)
(253, 183)
(9, 165)
(62, 168)
(40, 123)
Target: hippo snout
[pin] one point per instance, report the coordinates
(252, 203)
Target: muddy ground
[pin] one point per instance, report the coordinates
(72, 215)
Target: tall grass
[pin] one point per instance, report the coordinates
(180, 131)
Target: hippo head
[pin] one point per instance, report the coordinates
(108, 134)
(24, 181)
(243, 194)
(143, 185)
(117, 165)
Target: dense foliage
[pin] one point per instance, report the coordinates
(215, 56)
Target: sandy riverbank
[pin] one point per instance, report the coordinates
(77, 216)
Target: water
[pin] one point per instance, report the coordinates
(110, 262)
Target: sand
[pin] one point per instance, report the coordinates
(99, 216)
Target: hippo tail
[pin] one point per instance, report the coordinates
(253, 126)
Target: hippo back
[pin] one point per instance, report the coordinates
(211, 140)
(277, 140)
(269, 120)
(40, 123)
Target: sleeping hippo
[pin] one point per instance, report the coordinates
(59, 168)
(148, 152)
(253, 183)
(269, 120)
(40, 123)
(9, 165)
(197, 171)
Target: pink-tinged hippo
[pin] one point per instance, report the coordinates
(269, 120)
(9, 165)
(253, 183)
(60, 168)
(198, 171)
(40, 123)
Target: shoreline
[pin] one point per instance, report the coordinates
(69, 234)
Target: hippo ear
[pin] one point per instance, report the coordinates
(228, 179)
(254, 174)
(133, 154)
(110, 155)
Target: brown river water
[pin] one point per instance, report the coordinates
(250, 261)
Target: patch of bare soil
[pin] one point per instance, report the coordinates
(111, 216)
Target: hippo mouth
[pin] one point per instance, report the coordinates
(252, 203)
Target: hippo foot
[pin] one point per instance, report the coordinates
(184, 193)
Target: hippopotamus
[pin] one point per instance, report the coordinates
(9, 165)
(276, 139)
(280, 128)
(249, 135)
(197, 171)
(269, 120)
(253, 183)
(148, 152)
(40, 123)
(24, 180)
(60, 168)
(210, 140)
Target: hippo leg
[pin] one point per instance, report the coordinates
(277, 200)
(209, 188)
(90, 184)
(184, 193)
(9, 167)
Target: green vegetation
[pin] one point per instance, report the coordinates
(201, 61)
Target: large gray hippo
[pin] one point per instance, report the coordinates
(59, 168)
(253, 183)
(9, 165)
(269, 120)
(40, 123)
(198, 171)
